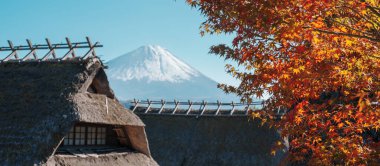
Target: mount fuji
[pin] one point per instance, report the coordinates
(152, 72)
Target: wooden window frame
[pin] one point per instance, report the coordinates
(86, 132)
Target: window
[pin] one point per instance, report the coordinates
(69, 139)
(80, 133)
(91, 136)
(86, 135)
(101, 136)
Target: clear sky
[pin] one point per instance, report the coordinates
(120, 25)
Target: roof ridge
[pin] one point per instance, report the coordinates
(50, 55)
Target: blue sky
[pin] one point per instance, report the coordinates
(120, 25)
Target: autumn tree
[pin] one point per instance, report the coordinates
(318, 60)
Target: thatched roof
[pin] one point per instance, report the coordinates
(211, 140)
(114, 159)
(41, 101)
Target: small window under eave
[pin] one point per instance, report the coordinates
(95, 138)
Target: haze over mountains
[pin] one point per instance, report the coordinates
(152, 72)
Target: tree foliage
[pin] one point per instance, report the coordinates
(318, 59)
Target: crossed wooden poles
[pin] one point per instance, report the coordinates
(51, 54)
(203, 107)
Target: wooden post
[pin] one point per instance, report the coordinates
(149, 105)
(204, 103)
(92, 49)
(106, 104)
(91, 46)
(51, 51)
(32, 51)
(176, 106)
(13, 53)
(190, 105)
(136, 102)
(218, 109)
(13, 49)
(71, 47)
(233, 108)
(247, 109)
(51, 48)
(70, 52)
(163, 102)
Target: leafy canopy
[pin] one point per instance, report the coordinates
(318, 59)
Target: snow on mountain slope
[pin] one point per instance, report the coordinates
(152, 72)
(152, 63)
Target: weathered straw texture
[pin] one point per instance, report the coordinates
(114, 159)
(210, 140)
(92, 108)
(41, 101)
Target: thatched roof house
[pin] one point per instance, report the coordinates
(65, 113)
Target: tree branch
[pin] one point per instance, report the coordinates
(373, 10)
(347, 34)
(350, 27)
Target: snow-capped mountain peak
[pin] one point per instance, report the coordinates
(151, 63)
(152, 72)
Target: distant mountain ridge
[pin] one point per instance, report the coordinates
(152, 72)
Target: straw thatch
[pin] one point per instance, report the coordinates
(211, 140)
(41, 101)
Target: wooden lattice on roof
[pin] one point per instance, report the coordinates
(51, 54)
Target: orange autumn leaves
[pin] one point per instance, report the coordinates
(318, 59)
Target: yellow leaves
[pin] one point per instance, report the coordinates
(361, 105)
(218, 31)
(206, 27)
(340, 125)
(296, 35)
(348, 122)
(359, 131)
(336, 38)
(298, 120)
(296, 71)
(316, 40)
(348, 43)
(366, 125)
(301, 111)
(318, 24)
(368, 25)
(336, 118)
(336, 56)
(363, 12)
(302, 68)
(343, 72)
(343, 29)
(328, 13)
(273, 152)
(316, 140)
(344, 150)
(285, 76)
(255, 114)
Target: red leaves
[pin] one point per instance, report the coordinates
(319, 59)
(300, 49)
